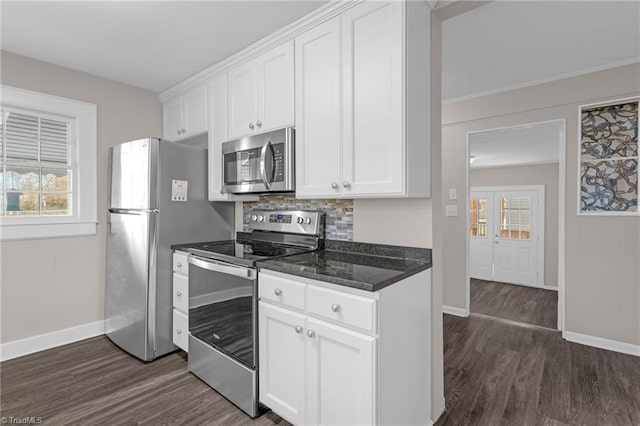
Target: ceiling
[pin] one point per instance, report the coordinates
(148, 44)
(156, 44)
(516, 146)
(509, 43)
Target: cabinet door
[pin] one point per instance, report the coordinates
(282, 361)
(373, 138)
(341, 375)
(194, 110)
(318, 113)
(180, 330)
(275, 88)
(172, 119)
(217, 135)
(242, 100)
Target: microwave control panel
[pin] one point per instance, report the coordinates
(278, 160)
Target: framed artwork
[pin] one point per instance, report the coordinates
(608, 169)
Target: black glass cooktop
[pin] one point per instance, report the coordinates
(243, 252)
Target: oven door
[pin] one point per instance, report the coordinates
(259, 163)
(223, 302)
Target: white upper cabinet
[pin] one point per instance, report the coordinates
(362, 103)
(260, 96)
(217, 135)
(318, 111)
(186, 115)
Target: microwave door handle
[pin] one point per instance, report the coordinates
(263, 165)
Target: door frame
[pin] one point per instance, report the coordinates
(540, 225)
(562, 184)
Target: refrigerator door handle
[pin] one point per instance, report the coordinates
(214, 266)
(133, 211)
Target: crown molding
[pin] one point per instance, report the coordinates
(313, 18)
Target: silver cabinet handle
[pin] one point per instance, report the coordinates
(183, 130)
(335, 307)
(277, 292)
(178, 331)
(251, 126)
(311, 333)
(259, 123)
(298, 329)
(179, 131)
(179, 293)
(334, 185)
(346, 184)
(179, 265)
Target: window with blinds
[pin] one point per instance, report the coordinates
(37, 166)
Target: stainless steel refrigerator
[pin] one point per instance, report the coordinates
(157, 198)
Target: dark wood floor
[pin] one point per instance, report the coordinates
(92, 382)
(504, 374)
(529, 305)
(495, 374)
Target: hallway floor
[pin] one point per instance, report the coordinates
(528, 305)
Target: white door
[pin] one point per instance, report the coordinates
(194, 111)
(481, 235)
(172, 119)
(281, 349)
(340, 372)
(275, 88)
(373, 145)
(516, 237)
(242, 95)
(506, 235)
(318, 113)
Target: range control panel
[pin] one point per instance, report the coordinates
(293, 221)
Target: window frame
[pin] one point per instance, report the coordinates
(580, 211)
(83, 149)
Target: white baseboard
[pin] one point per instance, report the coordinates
(459, 312)
(39, 343)
(599, 342)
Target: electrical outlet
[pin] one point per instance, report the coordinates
(451, 210)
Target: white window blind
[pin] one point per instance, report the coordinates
(36, 164)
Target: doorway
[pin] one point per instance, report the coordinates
(515, 223)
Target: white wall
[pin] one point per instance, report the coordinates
(540, 174)
(54, 284)
(602, 273)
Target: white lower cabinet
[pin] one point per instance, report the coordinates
(181, 300)
(332, 355)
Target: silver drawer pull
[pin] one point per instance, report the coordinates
(277, 292)
(178, 331)
(179, 265)
(335, 308)
(179, 293)
(298, 329)
(311, 333)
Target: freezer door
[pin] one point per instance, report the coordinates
(133, 175)
(130, 282)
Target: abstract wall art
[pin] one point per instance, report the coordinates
(609, 158)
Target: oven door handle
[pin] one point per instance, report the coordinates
(211, 265)
(263, 163)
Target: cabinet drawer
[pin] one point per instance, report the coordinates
(180, 263)
(181, 292)
(344, 308)
(281, 290)
(180, 330)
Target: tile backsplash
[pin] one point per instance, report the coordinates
(338, 213)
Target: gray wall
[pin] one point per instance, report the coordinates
(541, 174)
(54, 284)
(602, 267)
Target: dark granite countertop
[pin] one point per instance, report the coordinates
(369, 267)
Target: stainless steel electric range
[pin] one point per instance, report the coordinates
(223, 299)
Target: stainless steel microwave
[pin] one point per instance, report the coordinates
(259, 163)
